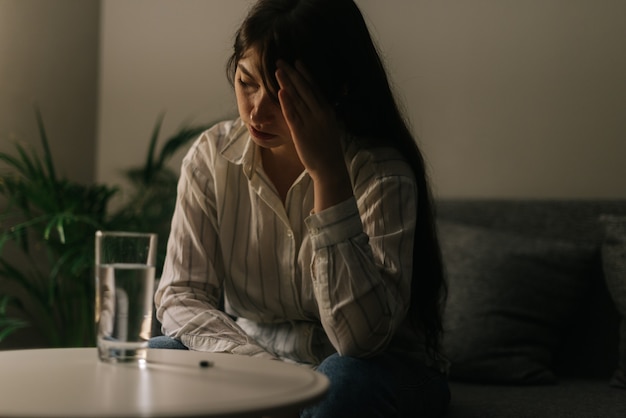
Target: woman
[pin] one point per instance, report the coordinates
(308, 220)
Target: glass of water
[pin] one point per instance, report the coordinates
(125, 267)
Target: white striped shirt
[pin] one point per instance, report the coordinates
(301, 285)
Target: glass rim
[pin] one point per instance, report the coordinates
(131, 234)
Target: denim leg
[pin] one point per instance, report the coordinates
(163, 341)
(358, 388)
(379, 387)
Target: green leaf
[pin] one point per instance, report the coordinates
(8, 325)
(46, 147)
(32, 169)
(149, 167)
(180, 139)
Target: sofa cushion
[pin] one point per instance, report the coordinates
(509, 298)
(571, 398)
(614, 264)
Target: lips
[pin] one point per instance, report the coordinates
(264, 136)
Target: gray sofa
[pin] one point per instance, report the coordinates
(537, 293)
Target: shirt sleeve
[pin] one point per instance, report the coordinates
(362, 264)
(188, 295)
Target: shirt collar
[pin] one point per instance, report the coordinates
(240, 149)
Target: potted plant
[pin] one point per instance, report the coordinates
(47, 228)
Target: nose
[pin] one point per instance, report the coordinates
(263, 108)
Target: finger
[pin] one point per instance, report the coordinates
(291, 112)
(300, 81)
(286, 84)
(290, 102)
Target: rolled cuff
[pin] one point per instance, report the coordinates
(335, 224)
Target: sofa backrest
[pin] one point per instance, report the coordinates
(590, 344)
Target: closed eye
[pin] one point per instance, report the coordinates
(245, 78)
(244, 83)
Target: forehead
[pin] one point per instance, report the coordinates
(250, 61)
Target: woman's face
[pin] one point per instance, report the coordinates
(257, 109)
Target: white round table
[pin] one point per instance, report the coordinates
(74, 383)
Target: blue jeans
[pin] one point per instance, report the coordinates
(385, 386)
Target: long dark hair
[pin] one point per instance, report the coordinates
(331, 39)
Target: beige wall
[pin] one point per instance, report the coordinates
(48, 56)
(160, 56)
(509, 98)
(513, 98)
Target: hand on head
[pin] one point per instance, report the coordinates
(312, 121)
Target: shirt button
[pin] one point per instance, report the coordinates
(290, 234)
